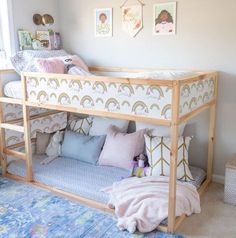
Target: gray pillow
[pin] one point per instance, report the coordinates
(81, 147)
(42, 141)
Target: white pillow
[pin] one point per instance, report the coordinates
(157, 130)
(158, 152)
(101, 124)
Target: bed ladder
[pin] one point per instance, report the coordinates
(9, 151)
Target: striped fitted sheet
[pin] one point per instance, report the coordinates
(80, 178)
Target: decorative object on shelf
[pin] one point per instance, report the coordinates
(37, 19)
(36, 44)
(103, 22)
(164, 18)
(132, 18)
(44, 38)
(25, 39)
(45, 20)
(55, 40)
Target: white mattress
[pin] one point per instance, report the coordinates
(13, 89)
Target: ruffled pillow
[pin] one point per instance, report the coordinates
(50, 65)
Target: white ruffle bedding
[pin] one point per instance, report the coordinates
(13, 89)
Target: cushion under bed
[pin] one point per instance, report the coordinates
(81, 178)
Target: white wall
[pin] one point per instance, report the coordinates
(23, 11)
(206, 39)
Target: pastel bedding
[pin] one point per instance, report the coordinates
(81, 178)
(142, 203)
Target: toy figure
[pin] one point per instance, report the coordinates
(139, 166)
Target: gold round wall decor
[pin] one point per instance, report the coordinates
(37, 19)
(45, 20)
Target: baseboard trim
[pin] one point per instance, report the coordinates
(218, 178)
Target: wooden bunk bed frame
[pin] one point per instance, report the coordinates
(177, 88)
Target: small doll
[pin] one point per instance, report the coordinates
(139, 165)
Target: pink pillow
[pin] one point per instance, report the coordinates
(50, 65)
(77, 61)
(121, 148)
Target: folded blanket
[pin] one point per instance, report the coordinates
(142, 203)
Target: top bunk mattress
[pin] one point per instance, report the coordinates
(81, 178)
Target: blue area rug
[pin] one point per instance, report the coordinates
(29, 212)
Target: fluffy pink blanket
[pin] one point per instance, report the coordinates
(142, 203)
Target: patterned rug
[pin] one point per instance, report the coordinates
(29, 212)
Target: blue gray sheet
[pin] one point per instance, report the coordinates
(81, 178)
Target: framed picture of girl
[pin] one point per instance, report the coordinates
(164, 18)
(103, 22)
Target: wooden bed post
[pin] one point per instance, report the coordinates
(27, 131)
(211, 135)
(3, 158)
(174, 156)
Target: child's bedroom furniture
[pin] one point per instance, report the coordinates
(133, 95)
(230, 182)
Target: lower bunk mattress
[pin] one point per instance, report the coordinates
(81, 178)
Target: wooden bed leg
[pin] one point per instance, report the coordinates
(3, 158)
(27, 133)
(211, 141)
(174, 155)
(211, 133)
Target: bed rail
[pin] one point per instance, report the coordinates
(146, 100)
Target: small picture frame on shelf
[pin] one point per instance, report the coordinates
(103, 22)
(25, 40)
(55, 40)
(44, 38)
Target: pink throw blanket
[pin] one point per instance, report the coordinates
(142, 203)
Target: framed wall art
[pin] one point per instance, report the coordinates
(164, 18)
(103, 22)
(132, 19)
(25, 40)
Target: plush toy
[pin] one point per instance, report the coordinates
(139, 166)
